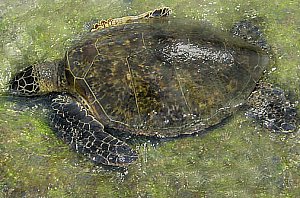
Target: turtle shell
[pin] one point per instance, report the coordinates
(163, 78)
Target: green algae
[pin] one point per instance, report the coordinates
(237, 159)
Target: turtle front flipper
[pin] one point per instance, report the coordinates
(157, 13)
(86, 135)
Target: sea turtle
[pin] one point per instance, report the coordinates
(155, 76)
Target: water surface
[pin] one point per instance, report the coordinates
(238, 158)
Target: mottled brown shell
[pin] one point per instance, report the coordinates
(163, 78)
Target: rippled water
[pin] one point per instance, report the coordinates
(237, 158)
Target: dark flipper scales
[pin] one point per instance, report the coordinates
(251, 33)
(86, 135)
(272, 109)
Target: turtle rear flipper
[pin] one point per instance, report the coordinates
(86, 135)
(156, 13)
(272, 109)
(251, 33)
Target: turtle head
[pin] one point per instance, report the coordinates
(38, 79)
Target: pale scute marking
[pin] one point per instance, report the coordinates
(181, 89)
(134, 90)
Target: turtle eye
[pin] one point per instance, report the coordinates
(25, 83)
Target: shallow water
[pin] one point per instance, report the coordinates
(238, 158)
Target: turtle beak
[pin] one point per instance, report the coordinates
(24, 83)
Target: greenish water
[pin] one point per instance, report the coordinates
(238, 159)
